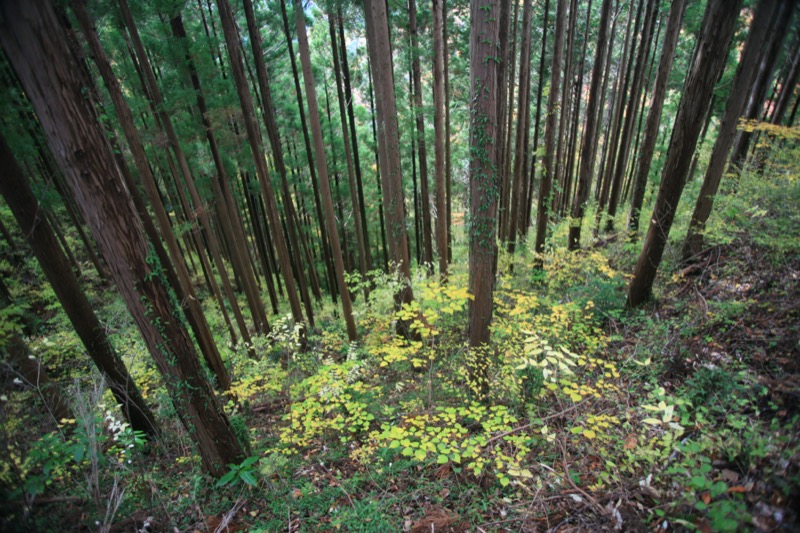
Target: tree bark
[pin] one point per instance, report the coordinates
(379, 49)
(648, 145)
(519, 173)
(757, 35)
(254, 135)
(425, 204)
(711, 53)
(484, 80)
(590, 131)
(326, 251)
(351, 173)
(439, 104)
(548, 161)
(51, 74)
(322, 170)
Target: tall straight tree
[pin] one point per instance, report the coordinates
(548, 161)
(537, 121)
(483, 179)
(56, 267)
(767, 12)
(631, 111)
(322, 168)
(647, 148)
(348, 153)
(425, 202)
(158, 108)
(711, 53)
(194, 314)
(517, 178)
(53, 77)
(380, 58)
(439, 126)
(326, 252)
(590, 131)
(254, 135)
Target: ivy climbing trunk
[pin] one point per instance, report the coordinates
(483, 179)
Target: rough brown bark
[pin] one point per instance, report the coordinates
(648, 145)
(590, 131)
(39, 51)
(757, 35)
(380, 56)
(439, 103)
(416, 76)
(483, 46)
(548, 161)
(711, 53)
(322, 170)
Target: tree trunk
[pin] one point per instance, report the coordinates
(381, 216)
(548, 161)
(590, 131)
(353, 138)
(199, 212)
(767, 12)
(326, 251)
(517, 178)
(484, 35)
(711, 53)
(425, 204)
(448, 172)
(648, 145)
(632, 110)
(254, 135)
(322, 170)
(439, 103)
(194, 314)
(380, 56)
(55, 82)
(537, 121)
(755, 104)
(351, 174)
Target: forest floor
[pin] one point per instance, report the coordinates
(680, 415)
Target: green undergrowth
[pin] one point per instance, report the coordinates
(595, 415)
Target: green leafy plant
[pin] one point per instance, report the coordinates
(244, 472)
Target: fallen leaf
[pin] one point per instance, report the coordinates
(706, 497)
(738, 488)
